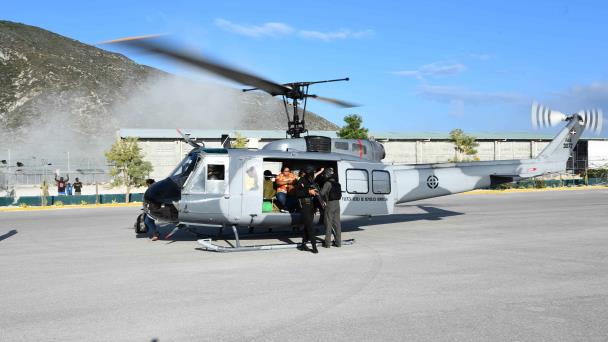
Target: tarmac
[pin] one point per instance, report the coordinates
(508, 267)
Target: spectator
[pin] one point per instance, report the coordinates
(61, 183)
(77, 187)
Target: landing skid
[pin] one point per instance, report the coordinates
(210, 246)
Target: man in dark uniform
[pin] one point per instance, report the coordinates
(332, 193)
(305, 191)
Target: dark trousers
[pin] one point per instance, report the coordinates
(332, 223)
(307, 214)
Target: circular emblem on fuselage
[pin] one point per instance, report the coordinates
(432, 182)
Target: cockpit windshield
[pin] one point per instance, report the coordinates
(181, 172)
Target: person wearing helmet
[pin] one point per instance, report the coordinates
(306, 190)
(331, 192)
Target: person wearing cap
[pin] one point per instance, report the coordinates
(305, 192)
(331, 192)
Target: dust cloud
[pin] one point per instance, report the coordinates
(80, 124)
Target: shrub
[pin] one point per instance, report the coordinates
(58, 203)
(539, 184)
(23, 205)
(83, 202)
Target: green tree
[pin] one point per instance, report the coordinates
(465, 146)
(239, 141)
(352, 129)
(128, 167)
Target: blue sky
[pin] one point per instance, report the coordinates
(415, 66)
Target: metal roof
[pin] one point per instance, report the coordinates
(146, 133)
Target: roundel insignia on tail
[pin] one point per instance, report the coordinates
(432, 182)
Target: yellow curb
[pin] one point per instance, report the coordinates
(563, 188)
(71, 206)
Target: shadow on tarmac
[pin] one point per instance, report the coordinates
(8, 235)
(290, 236)
(431, 213)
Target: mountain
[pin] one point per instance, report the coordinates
(62, 87)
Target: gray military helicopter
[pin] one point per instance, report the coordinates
(224, 187)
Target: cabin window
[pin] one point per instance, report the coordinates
(381, 182)
(251, 182)
(341, 145)
(357, 148)
(357, 181)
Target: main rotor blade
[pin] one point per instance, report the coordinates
(334, 101)
(152, 44)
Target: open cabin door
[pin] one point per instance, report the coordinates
(366, 188)
(206, 196)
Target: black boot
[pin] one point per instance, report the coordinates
(314, 248)
(303, 247)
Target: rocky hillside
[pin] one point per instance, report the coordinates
(47, 80)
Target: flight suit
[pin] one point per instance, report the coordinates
(331, 216)
(307, 211)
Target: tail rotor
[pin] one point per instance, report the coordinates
(543, 117)
(592, 119)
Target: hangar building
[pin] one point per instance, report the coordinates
(164, 148)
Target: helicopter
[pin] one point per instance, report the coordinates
(221, 187)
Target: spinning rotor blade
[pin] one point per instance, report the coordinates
(155, 45)
(542, 116)
(593, 119)
(334, 101)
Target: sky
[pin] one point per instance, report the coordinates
(414, 66)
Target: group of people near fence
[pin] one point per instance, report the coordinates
(64, 187)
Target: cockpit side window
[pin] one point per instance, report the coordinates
(215, 172)
(215, 179)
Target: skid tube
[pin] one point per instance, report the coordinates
(208, 245)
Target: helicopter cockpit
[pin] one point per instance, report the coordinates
(161, 196)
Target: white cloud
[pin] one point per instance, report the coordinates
(329, 36)
(580, 97)
(267, 29)
(277, 29)
(454, 94)
(433, 69)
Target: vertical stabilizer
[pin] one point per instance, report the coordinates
(561, 146)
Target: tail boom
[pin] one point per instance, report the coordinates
(415, 182)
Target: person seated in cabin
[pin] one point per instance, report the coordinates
(213, 173)
(269, 190)
(269, 193)
(285, 186)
